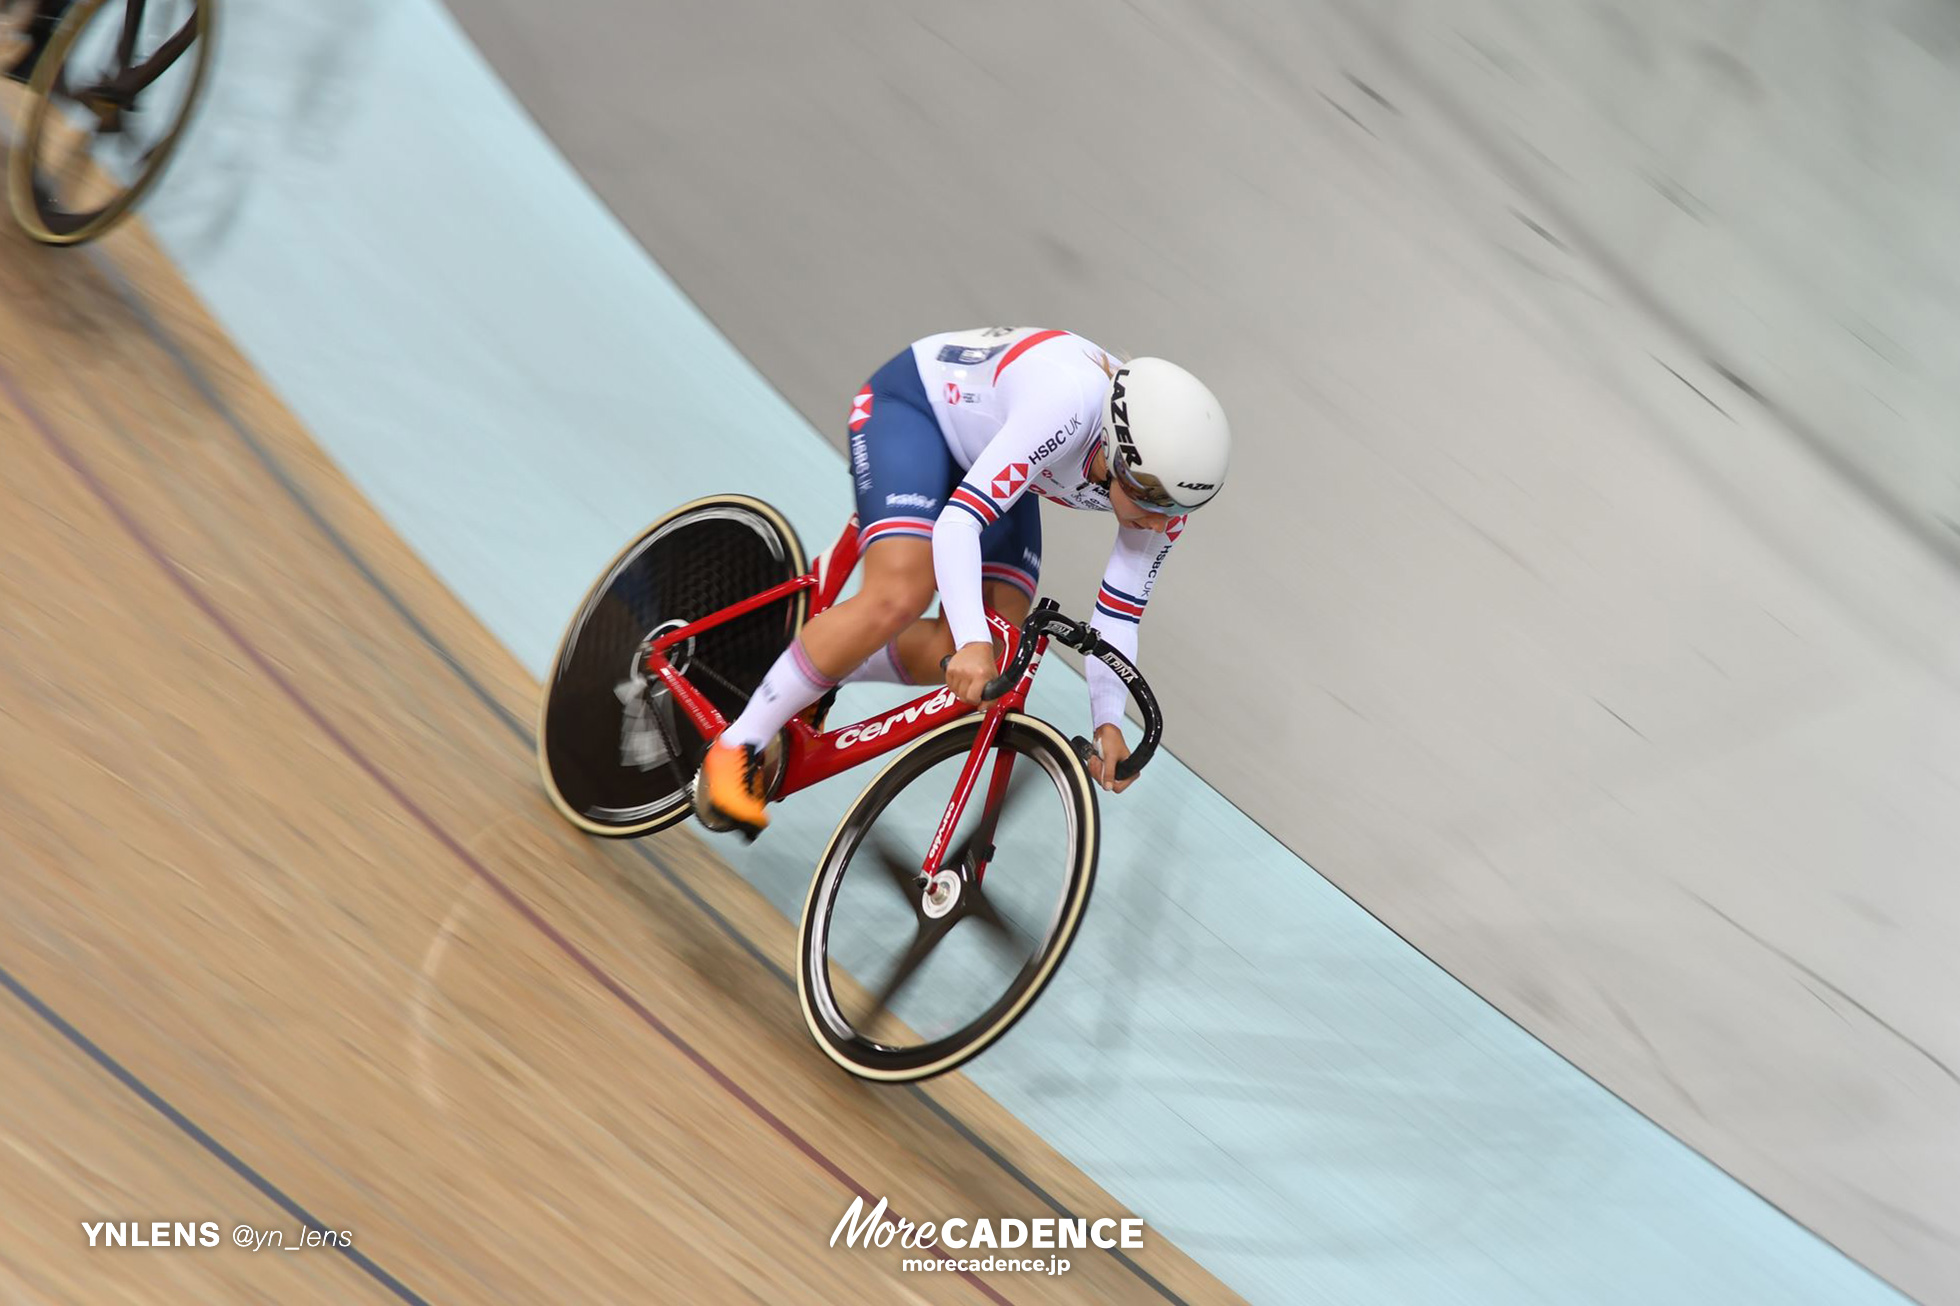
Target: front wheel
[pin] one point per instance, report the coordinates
(901, 980)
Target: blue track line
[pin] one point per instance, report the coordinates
(197, 1134)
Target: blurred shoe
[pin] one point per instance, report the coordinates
(728, 793)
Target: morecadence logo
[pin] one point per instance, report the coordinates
(875, 1228)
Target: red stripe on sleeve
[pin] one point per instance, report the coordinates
(982, 506)
(1119, 604)
(1024, 347)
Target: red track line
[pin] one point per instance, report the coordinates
(67, 453)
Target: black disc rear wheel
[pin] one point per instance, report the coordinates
(901, 980)
(616, 753)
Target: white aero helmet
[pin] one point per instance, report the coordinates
(1169, 442)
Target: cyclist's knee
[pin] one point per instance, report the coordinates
(940, 642)
(1010, 601)
(898, 584)
(895, 603)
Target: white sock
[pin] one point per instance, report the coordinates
(882, 667)
(791, 685)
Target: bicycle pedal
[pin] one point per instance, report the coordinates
(720, 824)
(716, 821)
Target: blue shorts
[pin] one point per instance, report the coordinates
(903, 472)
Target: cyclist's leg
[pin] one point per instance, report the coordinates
(913, 657)
(902, 472)
(1010, 570)
(898, 586)
(923, 645)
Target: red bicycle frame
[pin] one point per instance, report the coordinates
(811, 757)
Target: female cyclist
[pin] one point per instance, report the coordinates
(951, 443)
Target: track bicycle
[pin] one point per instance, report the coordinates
(110, 88)
(932, 922)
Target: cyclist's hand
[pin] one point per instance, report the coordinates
(1112, 749)
(969, 670)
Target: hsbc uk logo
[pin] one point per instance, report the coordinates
(1052, 443)
(1012, 477)
(861, 409)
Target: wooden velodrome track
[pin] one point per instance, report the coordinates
(292, 935)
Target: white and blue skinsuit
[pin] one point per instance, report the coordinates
(959, 437)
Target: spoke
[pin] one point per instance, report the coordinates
(980, 910)
(132, 25)
(134, 80)
(1005, 935)
(902, 871)
(928, 937)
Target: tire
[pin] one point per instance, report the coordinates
(33, 208)
(697, 559)
(1032, 741)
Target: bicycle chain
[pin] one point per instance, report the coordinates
(726, 683)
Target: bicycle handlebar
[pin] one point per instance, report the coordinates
(1048, 619)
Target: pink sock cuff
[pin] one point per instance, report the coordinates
(808, 669)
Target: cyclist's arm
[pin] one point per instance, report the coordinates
(1132, 572)
(1043, 400)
